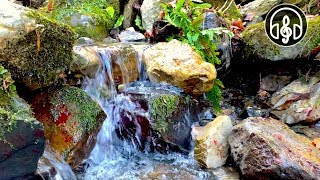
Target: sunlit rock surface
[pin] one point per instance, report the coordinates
(211, 143)
(267, 148)
(178, 64)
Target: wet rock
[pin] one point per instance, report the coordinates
(160, 114)
(298, 101)
(257, 43)
(150, 12)
(121, 61)
(259, 7)
(178, 64)
(27, 47)
(269, 149)
(71, 121)
(211, 143)
(51, 166)
(87, 18)
(87, 60)
(257, 112)
(21, 135)
(225, 173)
(130, 35)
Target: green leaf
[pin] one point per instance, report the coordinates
(119, 21)
(110, 11)
(179, 5)
(138, 23)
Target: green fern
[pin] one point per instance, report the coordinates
(188, 17)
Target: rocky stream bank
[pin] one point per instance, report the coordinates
(123, 90)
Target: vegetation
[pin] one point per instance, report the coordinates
(162, 107)
(11, 107)
(39, 57)
(102, 13)
(82, 108)
(188, 17)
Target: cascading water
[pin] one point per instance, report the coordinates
(115, 158)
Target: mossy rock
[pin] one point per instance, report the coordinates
(89, 18)
(21, 136)
(162, 108)
(259, 45)
(34, 48)
(70, 117)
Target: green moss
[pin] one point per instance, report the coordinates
(42, 64)
(12, 108)
(70, 12)
(257, 42)
(82, 108)
(161, 109)
(312, 37)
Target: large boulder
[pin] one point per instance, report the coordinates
(120, 60)
(94, 18)
(259, 45)
(269, 149)
(32, 46)
(211, 143)
(178, 64)
(298, 101)
(21, 135)
(71, 121)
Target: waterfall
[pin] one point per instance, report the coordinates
(122, 158)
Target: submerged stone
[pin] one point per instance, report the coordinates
(34, 48)
(71, 121)
(269, 149)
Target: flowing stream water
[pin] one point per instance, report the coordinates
(115, 158)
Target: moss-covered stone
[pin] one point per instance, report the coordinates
(89, 18)
(162, 108)
(39, 56)
(70, 117)
(83, 109)
(12, 108)
(258, 44)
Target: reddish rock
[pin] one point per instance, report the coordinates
(269, 149)
(71, 121)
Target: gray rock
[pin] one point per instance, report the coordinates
(150, 11)
(130, 35)
(269, 149)
(259, 7)
(298, 101)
